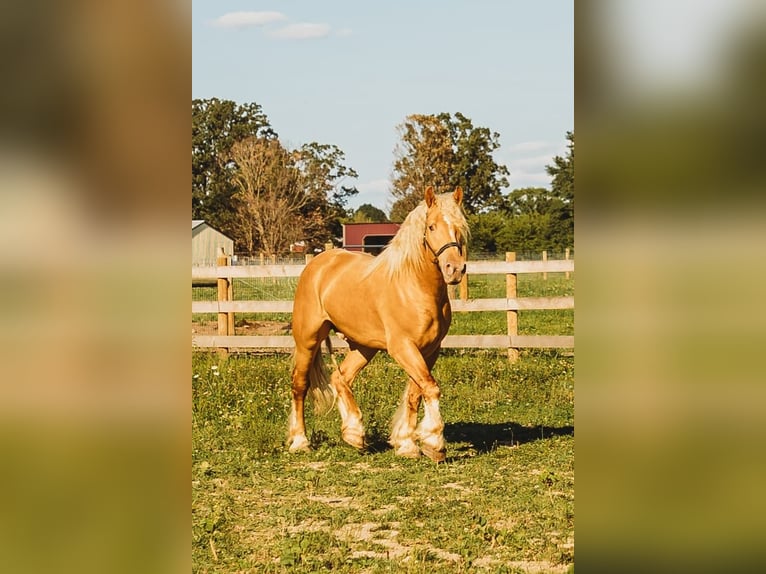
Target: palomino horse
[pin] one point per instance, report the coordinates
(396, 302)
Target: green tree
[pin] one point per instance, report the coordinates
(216, 126)
(446, 151)
(424, 156)
(486, 230)
(563, 190)
(529, 219)
(263, 195)
(367, 213)
(475, 169)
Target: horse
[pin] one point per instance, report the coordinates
(395, 302)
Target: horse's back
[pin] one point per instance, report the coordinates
(337, 286)
(334, 263)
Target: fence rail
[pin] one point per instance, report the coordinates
(472, 268)
(225, 307)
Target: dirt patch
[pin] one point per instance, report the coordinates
(375, 534)
(530, 567)
(243, 327)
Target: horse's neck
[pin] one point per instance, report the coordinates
(432, 282)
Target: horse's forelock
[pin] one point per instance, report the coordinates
(452, 210)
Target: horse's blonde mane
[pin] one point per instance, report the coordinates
(405, 253)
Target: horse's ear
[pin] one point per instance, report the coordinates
(458, 195)
(430, 197)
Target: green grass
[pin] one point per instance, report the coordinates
(503, 501)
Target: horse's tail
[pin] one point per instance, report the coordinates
(322, 392)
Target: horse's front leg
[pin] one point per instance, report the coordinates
(404, 422)
(352, 429)
(431, 428)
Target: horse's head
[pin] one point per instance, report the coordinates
(444, 236)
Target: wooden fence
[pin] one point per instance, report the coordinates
(225, 307)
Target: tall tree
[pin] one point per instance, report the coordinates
(475, 169)
(446, 151)
(270, 194)
(563, 189)
(287, 195)
(424, 156)
(216, 126)
(237, 163)
(324, 174)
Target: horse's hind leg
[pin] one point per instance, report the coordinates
(308, 332)
(296, 434)
(352, 429)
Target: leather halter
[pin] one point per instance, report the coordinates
(442, 248)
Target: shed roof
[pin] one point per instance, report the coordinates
(199, 225)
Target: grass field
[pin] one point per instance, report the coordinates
(503, 501)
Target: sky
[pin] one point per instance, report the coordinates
(348, 73)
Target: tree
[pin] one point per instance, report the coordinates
(424, 156)
(537, 220)
(287, 195)
(486, 229)
(562, 189)
(529, 200)
(236, 165)
(324, 173)
(367, 213)
(475, 169)
(446, 152)
(216, 126)
(270, 193)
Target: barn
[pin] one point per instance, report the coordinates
(368, 237)
(207, 242)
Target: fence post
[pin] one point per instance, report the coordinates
(464, 281)
(273, 262)
(309, 257)
(566, 257)
(513, 315)
(223, 295)
(545, 258)
(230, 297)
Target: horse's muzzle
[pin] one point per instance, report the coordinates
(453, 273)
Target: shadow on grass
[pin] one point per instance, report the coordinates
(486, 437)
(481, 437)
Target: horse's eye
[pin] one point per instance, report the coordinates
(431, 227)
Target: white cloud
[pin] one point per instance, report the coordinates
(301, 31)
(527, 161)
(247, 19)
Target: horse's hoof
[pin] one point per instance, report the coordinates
(408, 451)
(299, 444)
(434, 454)
(354, 439)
